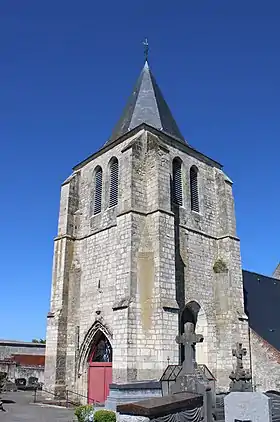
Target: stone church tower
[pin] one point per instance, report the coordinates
(146, 242)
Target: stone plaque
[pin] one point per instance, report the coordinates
(247, 407)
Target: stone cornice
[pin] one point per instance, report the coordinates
(145, 214)
(64, 236)
(210, 236)
(164, 136)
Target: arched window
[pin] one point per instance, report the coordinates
(177, 182)
(114, 183)
(194, 189)
(102, 350)
(97, 191)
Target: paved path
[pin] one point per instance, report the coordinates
(24, 410)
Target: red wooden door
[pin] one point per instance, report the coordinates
(99, 379)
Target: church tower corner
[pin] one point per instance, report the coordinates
(61, 293)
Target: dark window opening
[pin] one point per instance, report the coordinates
(98, 191)
(194, 189)
(114, 183)
(177, 182)
(102, 351)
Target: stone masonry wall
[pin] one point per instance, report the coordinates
(153, 262)
(265, 364)
(124, 256)
(15, 372)
(9, 348)
(85, 252)
(120, 270)
(64, 250)
(207, 238)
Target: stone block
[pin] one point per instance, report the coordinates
(197, 384)
(248, 407)
(130, 418)
(131, 392)
(163, 406)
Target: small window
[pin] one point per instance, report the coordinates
(177, 182)
(114, 183)
(97, 191)
(194, 189)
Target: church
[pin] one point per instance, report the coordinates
(147, 242)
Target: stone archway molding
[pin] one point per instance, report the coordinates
(89, 340)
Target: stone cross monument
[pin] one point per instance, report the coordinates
(189, 378)
(240, 378)
(239, 352)
(189, 340)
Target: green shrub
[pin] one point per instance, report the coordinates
(104, 416)
(84, 413)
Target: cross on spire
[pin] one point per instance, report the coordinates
(146, 49)
(146, 105)
(189, 340)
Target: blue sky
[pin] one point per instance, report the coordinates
(66, 70)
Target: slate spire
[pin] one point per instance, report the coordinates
(146, 105)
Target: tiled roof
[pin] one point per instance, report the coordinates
(146, 105)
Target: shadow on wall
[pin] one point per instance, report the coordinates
(189, 314)
(176, 199)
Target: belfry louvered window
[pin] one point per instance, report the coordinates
(177, 182)
(114, 183)
(97, 191)
(194, 189)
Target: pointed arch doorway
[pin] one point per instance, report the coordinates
(99, 369)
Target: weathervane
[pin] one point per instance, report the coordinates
(146, 49)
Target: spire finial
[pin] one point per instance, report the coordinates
(146, 49)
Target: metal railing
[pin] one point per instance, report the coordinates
(66, 400)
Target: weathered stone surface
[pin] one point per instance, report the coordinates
(139, 263)
(8, 348)
(265, 364)
(130, 418)
(251, 407)
(240, 378)
(98, 263)
(10, 362)
(132, 392)
(188, 341)
(190, 378)
(192, 383)
(161, 406)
